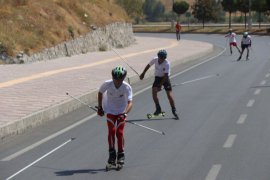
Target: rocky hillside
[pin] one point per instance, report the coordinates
(32, 25)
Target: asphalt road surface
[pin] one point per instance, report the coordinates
(223, 132)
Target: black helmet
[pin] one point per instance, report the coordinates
(119, 73)
(162, 54)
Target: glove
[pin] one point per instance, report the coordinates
(100, 111)
(122, 117)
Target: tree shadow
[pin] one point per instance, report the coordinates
(79, 171)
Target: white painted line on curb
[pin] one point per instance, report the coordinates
(213, 173)
(263, 82)
(258, 91)
(242, 119)
(250, 103)
(230, 140)
(23, 169)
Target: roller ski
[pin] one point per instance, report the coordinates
(111, 161)
(154, 115)
(120, 160)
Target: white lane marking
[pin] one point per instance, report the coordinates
(263, 82)
(258, 91)
(213, 173)
(230, 140)
(23, 169)
(267, 75)
(47, 139)
(93, 115)
(242, 119)
(250, 103)
(198, 79)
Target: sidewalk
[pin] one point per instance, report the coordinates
(34, 93)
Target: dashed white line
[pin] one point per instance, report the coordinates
(250, 103)
(213, 173)
(242, 119)
(229, 142)
(263, 82)
(257, 91)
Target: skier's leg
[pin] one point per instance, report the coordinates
(156, 100)
(155, 90)
(247, 58)
(231, 49)
(168, 88)
(242, 51)
(120, 140)
(111, 119)
(120, 134)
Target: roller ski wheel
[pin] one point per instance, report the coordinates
(150, 116)
(119, 167)
(111, 166)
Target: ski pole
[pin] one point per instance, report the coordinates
(81, 101)
(159, 132)
(125, 62)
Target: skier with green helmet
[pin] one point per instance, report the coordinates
(115, 99)
(162, 78)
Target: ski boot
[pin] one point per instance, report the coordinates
(111, 161)
(175, 114)
(120, 160)
(247, 58)
(239, 58)
(158, 110)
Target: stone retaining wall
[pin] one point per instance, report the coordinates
(101, 39)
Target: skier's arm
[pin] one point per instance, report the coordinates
(144, 71)
(100, 110)
(128, 108)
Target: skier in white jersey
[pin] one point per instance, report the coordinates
(115, 99)
(162, 78)
(245, 44)
(232, 40)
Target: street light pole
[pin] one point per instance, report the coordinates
(249, 14)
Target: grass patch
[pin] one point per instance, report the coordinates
(31, 25)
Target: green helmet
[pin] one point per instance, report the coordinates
(119, 73)
(162, 54)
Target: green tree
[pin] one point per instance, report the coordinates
(259, 6)
(203, 10)
(153, 9)
(132, 7)
(180, 7)
(243, 6)
(229, 6)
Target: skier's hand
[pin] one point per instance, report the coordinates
(122, 117)
(100, 111)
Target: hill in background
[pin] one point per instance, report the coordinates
(32, 25)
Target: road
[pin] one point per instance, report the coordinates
(222, 134)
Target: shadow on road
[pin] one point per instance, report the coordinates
(79, 171)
